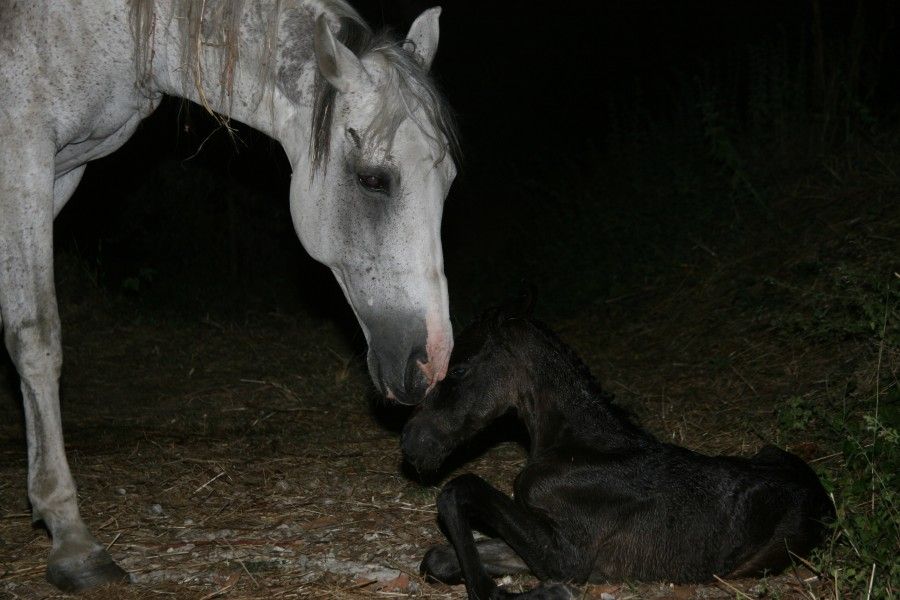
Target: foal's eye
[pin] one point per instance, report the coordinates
(374, 182)
(457, 371)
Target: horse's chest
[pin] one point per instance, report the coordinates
(110, 128)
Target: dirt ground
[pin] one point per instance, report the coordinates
(249, 460)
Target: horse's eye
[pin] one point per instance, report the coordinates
(374, 182)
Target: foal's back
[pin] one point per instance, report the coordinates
(634, 507)
(660, 512)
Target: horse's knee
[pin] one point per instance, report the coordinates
(35, 348)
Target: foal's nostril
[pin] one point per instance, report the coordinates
(421, 447)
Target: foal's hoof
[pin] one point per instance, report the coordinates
(440, 564)
(554, 591)
(546, 591)
(82, 571)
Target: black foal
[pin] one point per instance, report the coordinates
(599, 498)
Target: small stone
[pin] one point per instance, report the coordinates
(156, 509)
(607, 596)
(120, 491)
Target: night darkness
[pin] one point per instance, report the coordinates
(562, 116)
(702, 195)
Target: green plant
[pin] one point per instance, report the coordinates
(795, 414)
(861, 559)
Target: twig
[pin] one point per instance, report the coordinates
(114, 540)
(871, 581)
(732, 588)
(826, 457)
(208, 482)
(232, 581)
(744, 379)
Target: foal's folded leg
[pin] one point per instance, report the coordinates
(531, 537)
(498, 558)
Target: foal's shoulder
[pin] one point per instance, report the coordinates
(574, 468)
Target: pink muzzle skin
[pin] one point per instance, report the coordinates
(438, 346)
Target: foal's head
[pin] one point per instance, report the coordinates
(489, 371)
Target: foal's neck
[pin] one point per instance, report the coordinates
(564, 406)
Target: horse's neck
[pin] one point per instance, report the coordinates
(244, 90)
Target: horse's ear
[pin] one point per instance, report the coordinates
(424, 34)
(336, 62)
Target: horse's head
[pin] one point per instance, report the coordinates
(369, 202)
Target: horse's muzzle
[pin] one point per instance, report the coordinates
(404, 360)
(416, 380)
(409, 388)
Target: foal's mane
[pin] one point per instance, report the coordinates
(593, 394)
(572, 360)
(217, 24)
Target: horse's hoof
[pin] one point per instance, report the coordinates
(79, 572)
(440, 564)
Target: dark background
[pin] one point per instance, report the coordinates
(602, 142)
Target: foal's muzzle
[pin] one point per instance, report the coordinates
(422, 447)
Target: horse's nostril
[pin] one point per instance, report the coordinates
(414, 380)
(417, 356)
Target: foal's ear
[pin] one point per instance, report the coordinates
(424, 35)
(520, 306)
(336, 62)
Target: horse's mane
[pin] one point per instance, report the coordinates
(217, 24)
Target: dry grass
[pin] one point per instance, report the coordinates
(247, 463)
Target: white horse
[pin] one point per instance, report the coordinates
(367, 134)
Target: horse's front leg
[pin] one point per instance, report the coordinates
(32, 335)
(469, 497)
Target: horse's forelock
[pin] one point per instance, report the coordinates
(407, 86)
